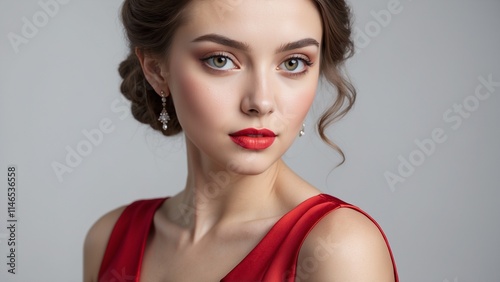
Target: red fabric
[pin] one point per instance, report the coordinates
(273, 259)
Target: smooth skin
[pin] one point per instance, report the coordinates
(254, 65)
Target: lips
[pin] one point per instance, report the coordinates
(253, 139)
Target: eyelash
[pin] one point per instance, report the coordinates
(303, 59)
(217, 55)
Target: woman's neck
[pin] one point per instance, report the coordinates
(215, 196)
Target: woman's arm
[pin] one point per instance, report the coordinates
(96, 242)
(345, 246)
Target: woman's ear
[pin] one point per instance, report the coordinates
(152, 71)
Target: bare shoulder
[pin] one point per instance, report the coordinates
(345, 246)
(96, 242)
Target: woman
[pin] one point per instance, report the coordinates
(238, 77)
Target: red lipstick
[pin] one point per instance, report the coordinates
(253, 139)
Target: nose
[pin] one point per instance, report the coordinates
(259, 98)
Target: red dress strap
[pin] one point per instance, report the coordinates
(123, 256)
(275, 257)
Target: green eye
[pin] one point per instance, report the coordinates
(219, 62)
(291, 64)
(295, 65)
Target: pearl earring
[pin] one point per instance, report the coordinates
(302, 130)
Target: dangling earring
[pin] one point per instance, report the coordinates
(302, 130)
(164, 117)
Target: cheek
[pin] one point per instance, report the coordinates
(295, 105)
(306, 93)
(198, 100)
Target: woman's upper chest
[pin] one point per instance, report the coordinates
(210, 259)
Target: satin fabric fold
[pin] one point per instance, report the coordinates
(274, 258)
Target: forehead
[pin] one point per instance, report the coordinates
(254, 21)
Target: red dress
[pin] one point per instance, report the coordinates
(273, 259)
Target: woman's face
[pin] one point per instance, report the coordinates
(239, 65)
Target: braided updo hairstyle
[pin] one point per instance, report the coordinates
(150, 26)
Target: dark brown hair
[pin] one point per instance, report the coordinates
(151, 24)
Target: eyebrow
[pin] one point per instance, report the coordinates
(222, 40)
(298, 44)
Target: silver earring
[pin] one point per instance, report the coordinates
(164, 117)
(302, 130)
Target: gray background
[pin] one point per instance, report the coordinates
(442, 221)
